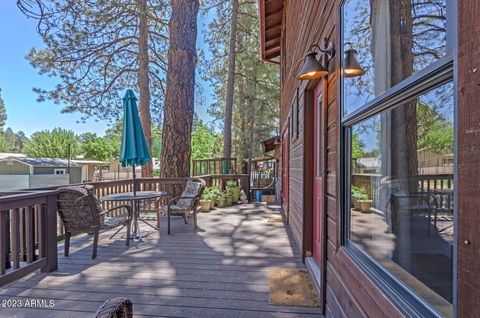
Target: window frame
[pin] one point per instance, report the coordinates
(434, 75)
(62, 170)
(294, 132)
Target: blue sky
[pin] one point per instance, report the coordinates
(18, 77)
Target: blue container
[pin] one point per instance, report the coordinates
(258, 196)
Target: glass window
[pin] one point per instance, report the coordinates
(402, 187)
(393, 40)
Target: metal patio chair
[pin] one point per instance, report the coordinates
(185, 204)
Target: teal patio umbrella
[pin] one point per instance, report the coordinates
(134, 151)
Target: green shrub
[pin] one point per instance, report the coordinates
(359, 193)
(232, 184)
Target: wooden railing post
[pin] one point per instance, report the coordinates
(50, 229)
(4, 238)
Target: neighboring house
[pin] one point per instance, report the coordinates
(405, 261)
(27, 173)
(367, 165)
(4, 155)
(116, 171)
(431, 162)
(91, 169)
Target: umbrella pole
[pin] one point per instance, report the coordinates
(135, 209)
(134, 183)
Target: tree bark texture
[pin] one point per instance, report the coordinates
(251, 101)
(144, 82)
(227, 124)
(179, 99)
(404, 163)
(404, 122)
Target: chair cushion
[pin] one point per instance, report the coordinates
(173, 208)
(114, 221)
(191, 190)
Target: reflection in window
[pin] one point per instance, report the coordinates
(402, 193)
(394, 39)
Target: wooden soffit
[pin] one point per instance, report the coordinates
(271, 19)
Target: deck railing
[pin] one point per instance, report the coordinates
(214, 166)
(28, 239)
(30, 227)
(172, 186)
(427, 183)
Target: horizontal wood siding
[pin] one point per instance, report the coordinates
(296, 181)
(349, 292)
(13, 167)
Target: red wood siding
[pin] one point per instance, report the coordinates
(349, 292)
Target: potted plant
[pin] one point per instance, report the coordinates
(365, 205)
(232, 186)
(204, 205)
(206, 202)
(357, 194)
(362, 200)
(221, 201)
(215, 194)
(228, 198)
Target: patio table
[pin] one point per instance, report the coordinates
(135, 198)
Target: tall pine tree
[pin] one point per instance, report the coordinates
(98, 48)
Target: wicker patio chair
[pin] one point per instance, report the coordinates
(81, 212)
(185, 204)
(115, 308)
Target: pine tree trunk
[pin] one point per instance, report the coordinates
(144, 82)
(179, 99)
(404, 123)
(227, 124)
(403, 127)
(251, 99)
(242, 152)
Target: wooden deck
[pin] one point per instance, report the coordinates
(218, 271)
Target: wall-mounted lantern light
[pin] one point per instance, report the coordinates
(351, 67)
(313, 68)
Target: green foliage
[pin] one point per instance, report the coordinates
(256, 91)
(93, 48)
(11, 141)
(205, 141)
(232, 184)
(440, 140)
(435, 132)
(53, 144)
(156, 141)
(211, 193)
(3, 112)
(359, 193)
(113, 136)
(95, 148)
(358, 147)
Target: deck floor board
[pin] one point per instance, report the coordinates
(220, 270)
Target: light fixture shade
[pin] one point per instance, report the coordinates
(312, 68)
(351, 66)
